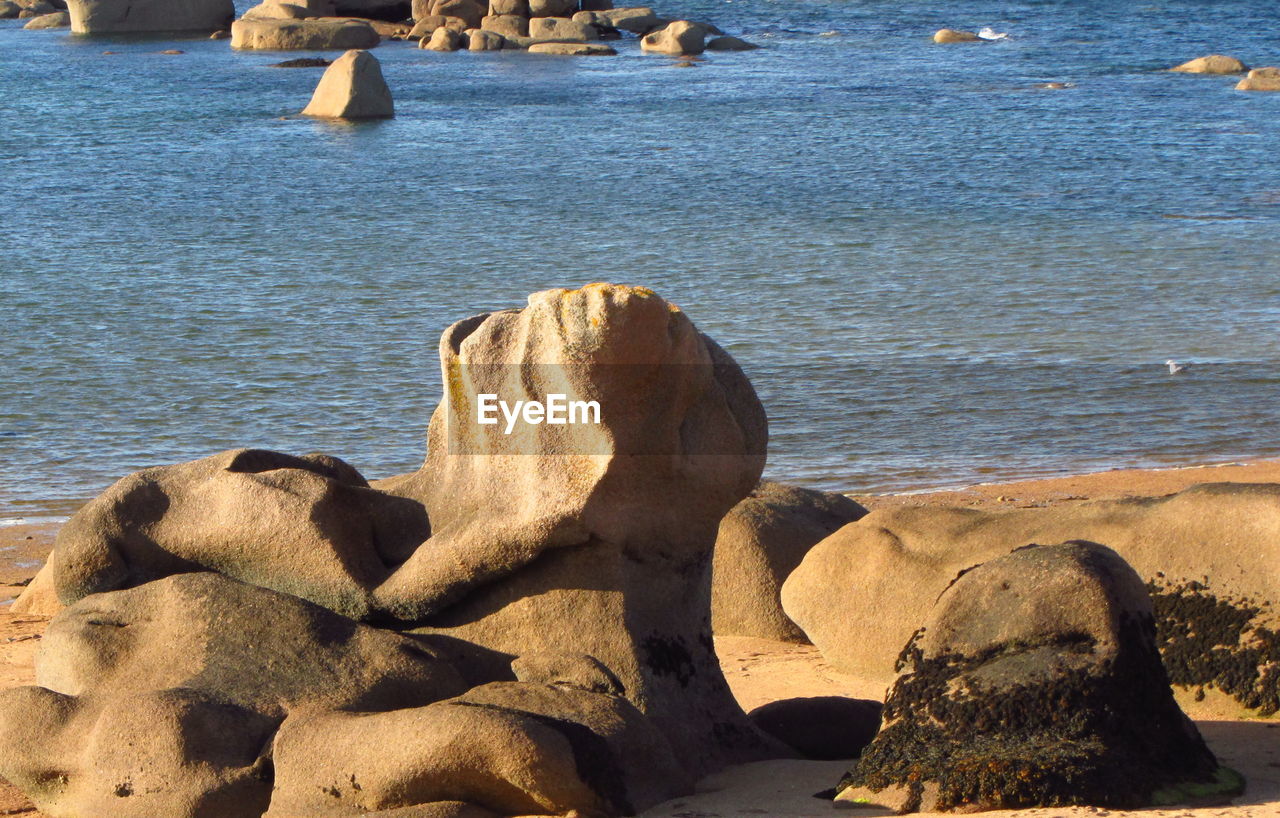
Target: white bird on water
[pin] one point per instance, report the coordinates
(989, 33)
(1175, 367)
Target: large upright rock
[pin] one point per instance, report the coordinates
(352, 88)
(1209, 552)
(1035, 681)
(678, 38)
(268, 34)
(592, 537)
(121, 16)
(760, 542)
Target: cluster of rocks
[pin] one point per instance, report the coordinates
(1258, 79)
(38, 13)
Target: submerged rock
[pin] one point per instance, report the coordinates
(303, 62)
(1212, 64)
(572, 49)
(352, 88)
(951, 35)
(1261, 79)
(1220, 542)
(761, 541)
(1035, 681)
(120, 16)
(727, 43)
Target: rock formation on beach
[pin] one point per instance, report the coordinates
(121, 16)
(761, 541)
(535, 602)
(1034, 681)
(352, 88)
(1209, 553)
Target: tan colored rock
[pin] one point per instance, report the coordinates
(1212, 64)
(951, 35)
(278, 11)
(119, 16)
(352, 88)
(424, 28)
(560, 30)
(302, 35)
(552, 8)
(760, 542)
(727, 43)
(860, 593)
(478, 40)
(469, 11)
(58, 19)
(568, 748)
(572, 49)
(508, 25)
(1261, 79)
(443, 39)
(502, 7)
(161, 700)
(678, 38)
(1034, 682)
(635, 19)
(40, 597)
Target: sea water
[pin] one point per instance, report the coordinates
(933, 271)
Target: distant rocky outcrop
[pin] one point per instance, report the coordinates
(1209, 553)
(302, 35)
(352, 88)
(130, 16)
(761, 541)
(677, 38)
(951, 35)
(1035, 681)
(57, 19)
(1261, 79)
(534, 603)
(1212, 64)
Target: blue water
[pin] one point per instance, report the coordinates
(933, 272)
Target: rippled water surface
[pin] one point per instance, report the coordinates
(934, 272)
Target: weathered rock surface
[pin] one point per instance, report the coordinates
(162, 699)
(951, 35)
(1261, 79)
(352, 88)
(120, 16)
(40, 597)
(424, 28)
(469, 11)
(508, 25)
(478, 40)
(761, 541)
(635, 19)
(1212, 64)
(443, 39)
(1209, 553)
(677, 38)
(569, 749)
(590, 538)
(727, 43)
(519, 8)
(57, 19)
(821, 727)
(560, 30)
(572, 49)
(302, 35)
(1035, 681)
(552, 8)
(278, 11)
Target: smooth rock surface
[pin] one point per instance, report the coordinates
(760, 542)
(121, 16)
(352, 88)
(727, 43)
(302, 35)
(572, 49)
(57, 19)
(951, 35)
(478, 40)
(552, 8)
(1034, 681)
(443, 39)
(1261, 79)
(508, 25)
(1212, 64)
(677, 38)
(560, 30)
(424, 28)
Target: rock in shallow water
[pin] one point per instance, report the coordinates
(1212, 64)
(1035, 681)
(302, 35)
(352, 88)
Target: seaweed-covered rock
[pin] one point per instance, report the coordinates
(1216, 542)
(1035, 681)
(761, 540)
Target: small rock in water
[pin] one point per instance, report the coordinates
(1212, 64)
(951, 35)
(1056, 86)
(173, 51)
(685, 64)
(352, 88)
(303, 62)
(1261, 79)
(222, 34)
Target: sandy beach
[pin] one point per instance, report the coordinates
(760, 671)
